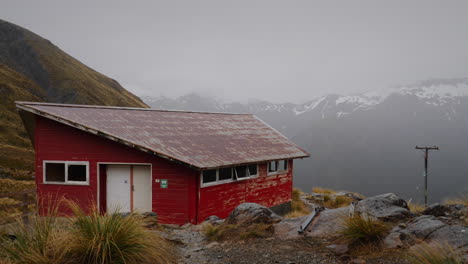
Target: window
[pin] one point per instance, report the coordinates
(241, 172)
(277, 166)
(209, 176)
(282, 165)
(225, 174)
(66, 172)
(272, 166)
(252, 170)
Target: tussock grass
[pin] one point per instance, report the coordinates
(462, 199)
(84, 239)
(40, 242)
(115, 238)
(323, 190)
(258, 231)
(211, 232)
(434, 253)
(339, 201)
(360, 229)
(298, 207)
(416, 208)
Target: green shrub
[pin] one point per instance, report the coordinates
(434, 253)
(362, 229)
(115, 238)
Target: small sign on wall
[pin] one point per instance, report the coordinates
(163, 183)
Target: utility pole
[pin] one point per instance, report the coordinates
(426, 156)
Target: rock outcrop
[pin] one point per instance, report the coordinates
(252, 213)
(386, 207)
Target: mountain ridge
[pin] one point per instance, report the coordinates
(34, 69)
(351, 138)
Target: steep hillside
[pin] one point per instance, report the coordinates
(365, 142)
(33, 69)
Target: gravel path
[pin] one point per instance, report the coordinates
(192, 248)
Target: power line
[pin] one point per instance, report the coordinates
(426, 157)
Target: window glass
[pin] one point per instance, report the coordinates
(272, 166)
(252, 170)
(282, 165)
(209, 176)
(241, 171)
(225, 174)
(77, 172)
(55, 172)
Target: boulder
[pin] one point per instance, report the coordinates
(288, 227)
(454, 235)
(443, 210)
(421, 227)
(252, 213)
(214, 220)
(328, 223)
(394, 240)
(387, 207)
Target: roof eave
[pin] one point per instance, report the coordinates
(24, 107)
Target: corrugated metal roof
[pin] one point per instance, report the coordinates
(201, 140)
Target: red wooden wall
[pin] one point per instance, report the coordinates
(267, 190)
(176, 205)
(56, 141)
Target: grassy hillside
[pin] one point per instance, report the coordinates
(33, 69)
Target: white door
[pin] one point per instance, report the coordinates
(142, 188)
(118, 188)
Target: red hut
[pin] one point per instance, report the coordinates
(185, 166)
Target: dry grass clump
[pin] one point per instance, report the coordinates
(434, 253)
(298, 207)
(337, 202)
(462, 199)
(329, 199)
(360, 229)
(211, 232)
(42, 241)
(115, 238)
(258, 231)
(8, 209)
(9, 186)
(90, 239)
(323, 190)
(416, 208)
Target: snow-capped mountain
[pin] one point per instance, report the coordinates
(365, 142)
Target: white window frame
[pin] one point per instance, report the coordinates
(278, 171)
(66, 163)
(233, 179)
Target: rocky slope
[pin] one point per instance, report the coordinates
(33, 69)
(322, 241)
(365, 142)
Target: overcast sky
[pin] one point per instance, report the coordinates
(274, 50)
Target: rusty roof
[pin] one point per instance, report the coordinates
(198, 139)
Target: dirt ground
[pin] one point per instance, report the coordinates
(193, 248)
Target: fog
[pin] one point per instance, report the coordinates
(273, 50)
